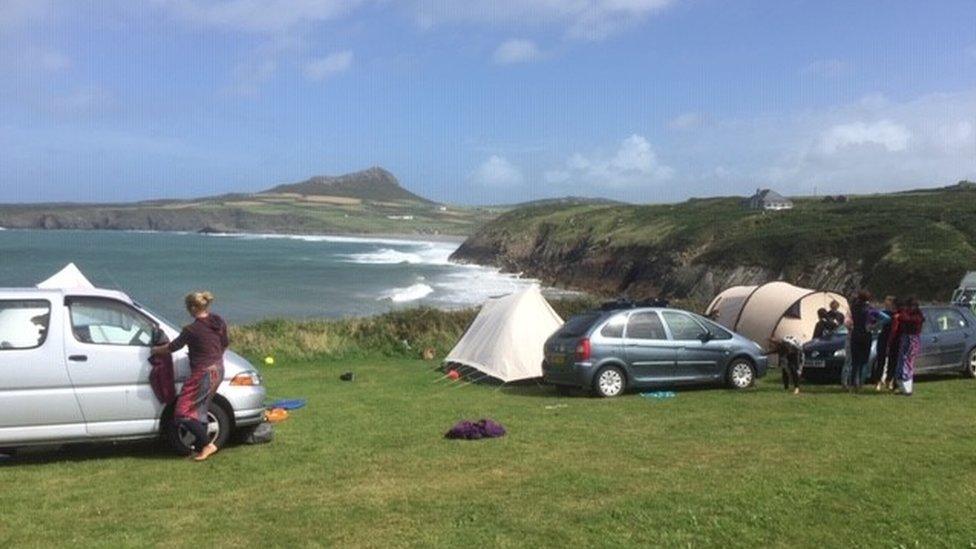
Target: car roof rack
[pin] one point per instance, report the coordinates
(622, 303)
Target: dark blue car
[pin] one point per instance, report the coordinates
(610, 351)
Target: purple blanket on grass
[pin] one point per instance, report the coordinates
(474, 430)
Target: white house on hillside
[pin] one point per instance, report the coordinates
(767, 199)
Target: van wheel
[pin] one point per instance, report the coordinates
(218, 429)
(970, 369)
(610, 381)
(741, 374)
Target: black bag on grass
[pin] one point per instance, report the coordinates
(262, 434)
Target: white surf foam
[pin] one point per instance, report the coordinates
(328, 238)
(410, 293)
(426, 254)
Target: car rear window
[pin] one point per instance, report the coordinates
(24, 323)
(578, 325)
(614, 328)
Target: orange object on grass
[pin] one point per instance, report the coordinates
(275, 415)
(454, 375)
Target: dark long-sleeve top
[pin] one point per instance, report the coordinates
(206, 338)
(863, 316)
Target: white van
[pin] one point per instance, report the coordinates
(74, 367)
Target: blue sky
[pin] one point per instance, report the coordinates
(473, 101)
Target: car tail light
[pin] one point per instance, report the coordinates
(246, 379)
(583, 349)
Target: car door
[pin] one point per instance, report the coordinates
(650, 354)
(697, 357)
(37, 401)
(929, 355)
(952, 331)
(108, 361)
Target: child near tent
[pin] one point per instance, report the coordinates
(790, 353)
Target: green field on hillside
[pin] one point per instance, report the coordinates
(365, 465)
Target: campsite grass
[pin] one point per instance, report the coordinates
(365, 464)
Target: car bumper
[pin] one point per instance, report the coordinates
(247, 403)
(577, 374)
(762, 366)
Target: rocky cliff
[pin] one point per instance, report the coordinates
(906, 244)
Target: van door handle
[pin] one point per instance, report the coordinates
(78, 358)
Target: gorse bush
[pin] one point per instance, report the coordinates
(404, 333)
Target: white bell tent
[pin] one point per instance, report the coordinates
(506, 338)
(68, 278)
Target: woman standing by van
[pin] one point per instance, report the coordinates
(206, 338)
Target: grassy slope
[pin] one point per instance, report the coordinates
(364, 464)
(273, 213)
(910, 242)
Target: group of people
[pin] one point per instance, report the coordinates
(898, 325)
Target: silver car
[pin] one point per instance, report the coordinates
(610, 351)
(74, 368)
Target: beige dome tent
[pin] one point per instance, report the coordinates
(506, 338)
(772, 310)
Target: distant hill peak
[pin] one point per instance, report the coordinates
(374, 183)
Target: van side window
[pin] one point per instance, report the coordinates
(24, 323)
(108, 322)
(645, 326)
(614, 328)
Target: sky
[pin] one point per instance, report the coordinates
(485, 102)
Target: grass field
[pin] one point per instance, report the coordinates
(364, 464)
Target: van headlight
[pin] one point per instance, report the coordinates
(840, 353)
(246, 379)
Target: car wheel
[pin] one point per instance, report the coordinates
(741, 374)
(218, 429)
(610, 381)
(970, 369)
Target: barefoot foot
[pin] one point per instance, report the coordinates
(207, 451)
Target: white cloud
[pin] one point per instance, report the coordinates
(633, 164)
(262, 16)
(884, 133)
(516, 51)
(580, 19)
(687, 121)
(826, 68)
(498, 172)
(328, 66)
(874, 144)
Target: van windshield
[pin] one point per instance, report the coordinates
(578, 325)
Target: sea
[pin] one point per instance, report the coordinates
(258, 276)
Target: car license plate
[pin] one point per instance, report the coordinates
(558, 360)
(815, 364)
